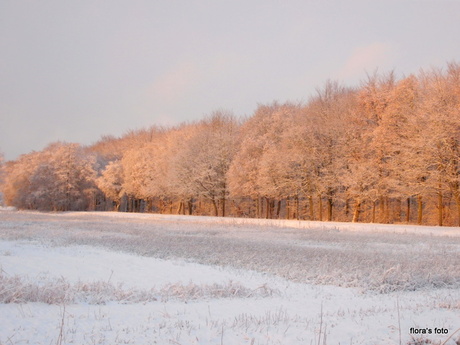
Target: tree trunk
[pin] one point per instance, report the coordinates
(267, 208)
(408, 211)
(329, 209)
(278, 209)
(382, 209)
(312, 211)
(288, 208)
(297, 206)
(457, 201)
(440, 208)
(320, 204)
(199, 206)
(387, 210)
(420, 210)
(223, 206)
(223, 197)
(180, 207)
(399, 203)
(357, 211)
(214, 204)
(373, 210)
(190, 206)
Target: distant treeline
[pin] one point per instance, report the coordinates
(386, 151)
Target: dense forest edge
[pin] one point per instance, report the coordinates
(386, 151)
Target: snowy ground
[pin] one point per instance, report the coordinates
(110, 278)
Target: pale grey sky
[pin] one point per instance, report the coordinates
(76, 70)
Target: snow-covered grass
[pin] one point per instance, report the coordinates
(109, 278)
(336, 254)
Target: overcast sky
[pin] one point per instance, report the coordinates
(77, 70)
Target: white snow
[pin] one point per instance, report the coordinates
(295, 314)
(85, 263)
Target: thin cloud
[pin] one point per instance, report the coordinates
(175, 83)
(367, 58)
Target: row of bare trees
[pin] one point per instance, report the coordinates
(386, 151)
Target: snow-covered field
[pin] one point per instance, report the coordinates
(112, 278)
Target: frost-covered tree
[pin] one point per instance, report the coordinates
(140, 173)
(135, 165)
(301, 156)
(368, 156)
(329, 118)
(74, 176)
(166, 182)
(401, 128)
(201, 166)
(441, 106)
(255, 139)
(59, 178)
(280, 171)
(111, 182)
(16, 184)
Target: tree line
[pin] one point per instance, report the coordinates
(385, 151)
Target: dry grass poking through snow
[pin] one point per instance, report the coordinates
(17, 289)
